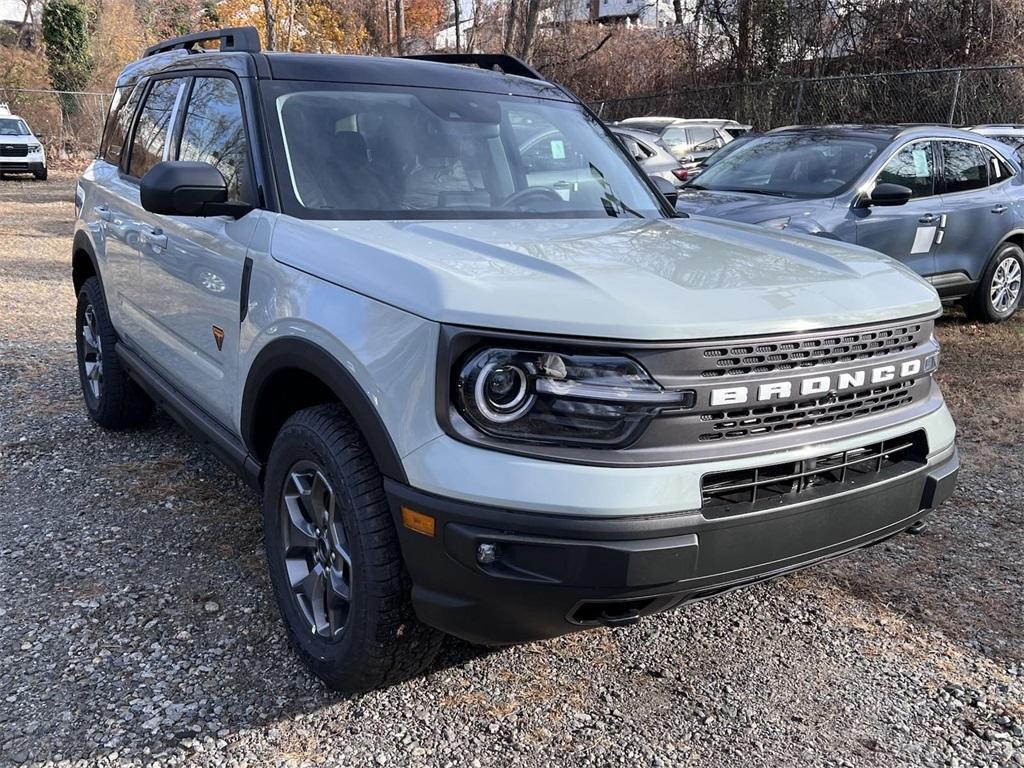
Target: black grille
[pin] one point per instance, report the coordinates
(13, 150)
(781, 355)
(766, 419)
(751, 490)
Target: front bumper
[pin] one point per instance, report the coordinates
(21, 165)
(555, 574)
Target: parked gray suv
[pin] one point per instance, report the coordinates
(499, 399)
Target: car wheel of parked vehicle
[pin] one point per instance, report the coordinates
(113, 400)
(40, 175)
(998, 295)
(334, 557)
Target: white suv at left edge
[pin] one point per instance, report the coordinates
(20, 150)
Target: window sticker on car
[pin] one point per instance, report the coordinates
(921, 162)
(923, 240)
(557, 149)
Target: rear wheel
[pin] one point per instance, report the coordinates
(334, 558)
(113, 400)
(998, 294)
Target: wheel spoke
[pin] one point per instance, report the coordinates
(316, 555)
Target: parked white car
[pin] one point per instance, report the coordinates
(20, 150)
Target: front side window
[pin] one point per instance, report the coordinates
(422, 153)
(964, 166)
(214, 132)
(154, 126)
(811, 164)
(13, 126)
(703, 138)
(912, 167)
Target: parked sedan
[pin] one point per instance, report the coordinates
(947, 203)
(653, 158)
(1010, 134)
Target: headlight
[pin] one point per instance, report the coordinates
(33, 148)
(552, 397)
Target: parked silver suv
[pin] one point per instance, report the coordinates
(504, 397)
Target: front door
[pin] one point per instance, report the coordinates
(192, 267)
(910, 232)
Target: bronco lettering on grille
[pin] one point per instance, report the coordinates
(815, 385)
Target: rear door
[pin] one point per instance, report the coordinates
(974, 195)
(146, 146)
(909, 232)
(192, 267)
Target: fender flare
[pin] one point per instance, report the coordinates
(83, 243)
(308, 357)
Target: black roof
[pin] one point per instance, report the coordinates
(240, 53)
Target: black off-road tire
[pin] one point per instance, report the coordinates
(120, 403)
(381, 642)
(980, 305)
(40, 175)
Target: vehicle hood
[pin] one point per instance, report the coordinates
(744, 206)
(640, 279)
(19, 139)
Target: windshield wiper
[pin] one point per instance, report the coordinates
(755, 192)
(694, 185)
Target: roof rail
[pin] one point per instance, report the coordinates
(231, 39)
(501, 62)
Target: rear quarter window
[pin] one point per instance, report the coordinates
(119, 119)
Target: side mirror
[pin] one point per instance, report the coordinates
(184, 188)
(667, 188)
(887, 194)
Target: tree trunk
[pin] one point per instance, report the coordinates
(291, 25)
(677, 9)
(530, 31)
(268, 12)
(400, 26)
(458, 25)
(511, 19)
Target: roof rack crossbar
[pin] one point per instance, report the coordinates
(510, 65)
(245, 39)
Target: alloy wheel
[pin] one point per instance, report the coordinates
(316, 550)
(92, 352)
(1006, 284)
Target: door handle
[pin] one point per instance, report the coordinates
(929, 218)
(154, 237)
(1000, 209)
(104, 213)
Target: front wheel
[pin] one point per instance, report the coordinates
(998, 294)
(335, 563)
(40, 175)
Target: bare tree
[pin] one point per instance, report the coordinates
(271, 22)
(400, 26)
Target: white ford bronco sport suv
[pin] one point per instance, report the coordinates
(486, 384)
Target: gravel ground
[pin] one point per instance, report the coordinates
(137, 625)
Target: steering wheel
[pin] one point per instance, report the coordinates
(516, 199)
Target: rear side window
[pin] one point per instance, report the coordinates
(964, 166)
(912, 167)
(119, 119)
(703, 136)
(154, 126)
(214, 132)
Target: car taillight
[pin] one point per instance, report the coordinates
(680, 173)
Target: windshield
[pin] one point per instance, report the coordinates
(792, 165)
(373, 152)
(12, 126)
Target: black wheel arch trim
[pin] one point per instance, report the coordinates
(310, 358)
(83, 243)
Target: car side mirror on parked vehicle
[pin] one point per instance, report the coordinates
(185, 188)
(887, 194)
(667, 188)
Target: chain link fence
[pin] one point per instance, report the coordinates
(66, 132)
(965, 96)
